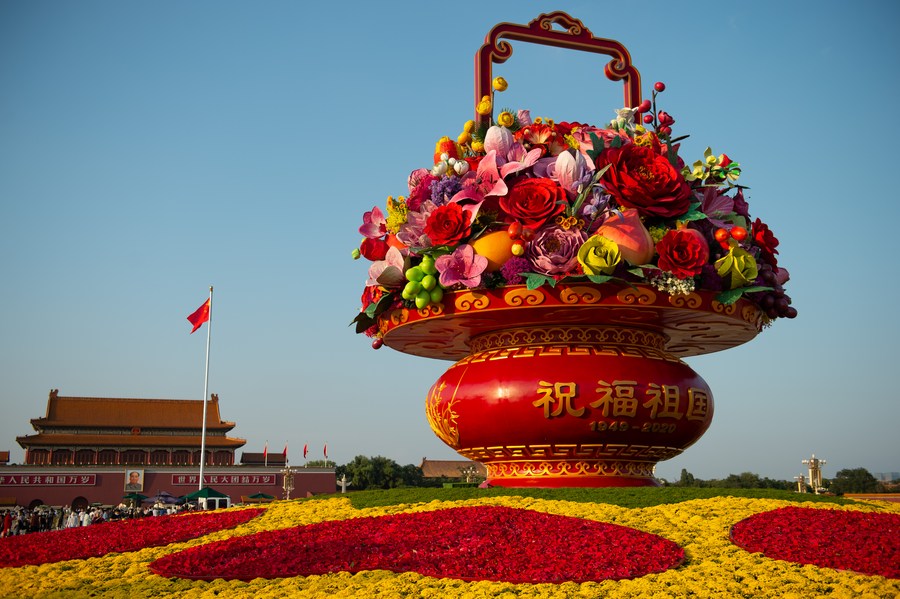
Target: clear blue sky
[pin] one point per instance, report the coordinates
(151, 149)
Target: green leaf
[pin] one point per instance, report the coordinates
(534, 280)
(732, 295)
(598, 146)
(599, 279)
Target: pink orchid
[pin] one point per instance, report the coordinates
(462, 267)
(412, 232)
(390, 271)
(486, 181)
(566, 169)
(527, 160)
(524, 117)
(499, 139)
(374, 225)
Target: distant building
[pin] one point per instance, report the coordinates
(82, 431)
(89, 450)
(887, 477)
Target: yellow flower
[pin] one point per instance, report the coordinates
(469, 126)
(599, 255)
(506, 119)
(737, 268)
(464, 138)
(499, 84)
(478, 146)
(396, 213)
(485, 106)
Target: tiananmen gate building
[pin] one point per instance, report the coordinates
(94, 450)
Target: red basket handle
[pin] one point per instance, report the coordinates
(540, 31)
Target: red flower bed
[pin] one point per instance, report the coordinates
(469, 543)
(97, 540)
(863, 542)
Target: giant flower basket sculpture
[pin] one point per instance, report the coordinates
(566, 269)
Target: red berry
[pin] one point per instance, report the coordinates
(515, 230)
(721, 234)
(659, 86)
(377, 342)
(648, 118)
(644, 106)
(739, 233)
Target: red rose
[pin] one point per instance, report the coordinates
(373, 249)
(642, 179)
(766, 241)
(683, 253)
(448, 224)
(533, 202)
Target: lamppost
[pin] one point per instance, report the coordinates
(815, 472)
(288, 481)
(468, 472)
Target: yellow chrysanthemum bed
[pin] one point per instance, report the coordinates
(713, 565)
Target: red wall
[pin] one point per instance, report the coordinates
(61, 486)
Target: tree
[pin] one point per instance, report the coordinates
(853, 480)
(687, 479)
(378, 472)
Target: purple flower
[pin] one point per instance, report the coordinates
(512, 268)
(463, 267)
(554, 250)
(443, 189)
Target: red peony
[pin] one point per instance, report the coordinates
(765, 240)
(640, 178)
(683, 253)
(533, 202)
(448, 224)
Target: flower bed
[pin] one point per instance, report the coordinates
(865, 543)
(468, 543)
(98, 540)
(714, 565)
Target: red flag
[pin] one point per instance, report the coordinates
(200, 316)
(285, 452)
(305, 449)
(326, 451)
(266, 452)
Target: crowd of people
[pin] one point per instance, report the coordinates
(22, 520)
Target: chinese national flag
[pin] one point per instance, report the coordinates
(200, 316)
(305, 450)
(285, 451)
(266, 451)
(326, 451)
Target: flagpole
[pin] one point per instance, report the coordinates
(205, 391)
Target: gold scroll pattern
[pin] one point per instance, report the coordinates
(472, 301)
(521, 296)
(578, 294)
(575, 460)
(441, 416)
(636, 295)
(574, 340)
(593, 469)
